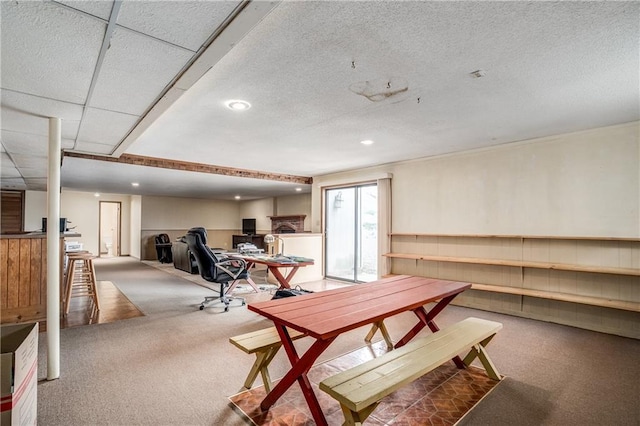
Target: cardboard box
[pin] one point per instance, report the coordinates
(19, 374)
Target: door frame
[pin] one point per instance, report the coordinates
(119, 247)
(324, 199)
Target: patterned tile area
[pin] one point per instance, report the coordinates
(441, 397)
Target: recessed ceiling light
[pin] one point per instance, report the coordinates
(367, 142)
(135, 184)
(96, 194)
(237, 197)
(298, 189)
(238, 105)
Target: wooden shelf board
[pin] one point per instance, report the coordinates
(546, 237)
(519, 263)
(564, 297)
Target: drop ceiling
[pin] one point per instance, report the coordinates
(149, 78)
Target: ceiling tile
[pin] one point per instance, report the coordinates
(185, 23)
(94, 148)
(135, 71)
(30, 114)
(105, 127)
(7, 168)
(49, 50)
(29, 144)
(30, 161)
(36, 184)
(13, 183)
(33, 172)
(22, 122)
(10, 172)
(101, 9)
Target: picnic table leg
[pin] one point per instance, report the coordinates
(292, 273)
(299, 369)
(426, 319)
(284, 283)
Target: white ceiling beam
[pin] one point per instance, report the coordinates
(235, 28)
(111, 27)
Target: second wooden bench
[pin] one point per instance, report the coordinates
(360, 389)
(265, 344)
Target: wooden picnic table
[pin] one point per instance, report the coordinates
(325, 315)
(274, 264)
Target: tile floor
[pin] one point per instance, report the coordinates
(441, 397)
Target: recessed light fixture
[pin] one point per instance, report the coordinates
(97, 194)
(238, 105)
(477, 73)
(298, 189)
(237, 197)
(135, 184)
(367, 142)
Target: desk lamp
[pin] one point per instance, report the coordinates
(270, 239)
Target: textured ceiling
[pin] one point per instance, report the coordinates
(321, 77)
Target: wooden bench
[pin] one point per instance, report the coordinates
(360, 389)
(265, 344)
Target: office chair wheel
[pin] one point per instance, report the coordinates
(226, 309)
(244, 303)
(201, 307)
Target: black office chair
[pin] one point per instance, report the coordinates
(163, 248)
(215, 268)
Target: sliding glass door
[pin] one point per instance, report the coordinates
(351, 232)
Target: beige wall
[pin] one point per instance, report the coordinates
(135, 227)
(306, 245)
(295, 205)
(579, 184)
(83, 210)
(260, 210)
(35, 208)
(174, 216)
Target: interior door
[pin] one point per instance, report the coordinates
(351, 233)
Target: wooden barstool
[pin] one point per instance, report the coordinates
(81, 279)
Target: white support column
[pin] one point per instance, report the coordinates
(53, 250)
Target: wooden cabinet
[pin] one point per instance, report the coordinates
(23, 277)
(257, 240)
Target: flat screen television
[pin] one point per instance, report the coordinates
(63, 224)
(249, 226)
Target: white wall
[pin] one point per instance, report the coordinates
(579, 184)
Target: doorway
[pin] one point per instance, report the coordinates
(351, 233)
(109, 237)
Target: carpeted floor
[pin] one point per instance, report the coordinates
(175, 365)
(259, 276)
